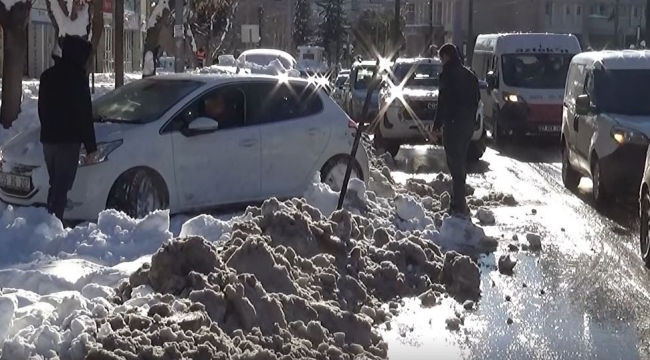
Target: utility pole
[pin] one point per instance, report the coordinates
(470, 32)
(431, 27)
(646, 38)
(617, 20)
(260, 23)
(178, 35)
(396, 28)
(118, 55)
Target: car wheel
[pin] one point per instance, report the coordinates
(600, 195)
(138, 192)
(384, 145)
(333, 172)
(570, 177)
(477, 149)
(645, 228)
(499, 136)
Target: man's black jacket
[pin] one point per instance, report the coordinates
(64, 103)
(458, 96)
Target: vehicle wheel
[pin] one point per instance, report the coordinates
(476, 149)
(645, 228)
(601, 197)
(333, 172)
(499, 136)
(570, 177)
(384, 145)
(138, 192)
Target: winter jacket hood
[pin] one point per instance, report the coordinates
(76, 51)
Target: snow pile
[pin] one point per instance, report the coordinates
(28, 233)
(290, 281)
(273, 68)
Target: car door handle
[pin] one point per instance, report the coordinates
(248, 142)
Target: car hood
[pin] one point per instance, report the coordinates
(25, 148)
(639, 123)
(420, 93)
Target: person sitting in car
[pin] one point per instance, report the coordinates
(221, 108)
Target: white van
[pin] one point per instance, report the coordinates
(525, 73)
(606, 121)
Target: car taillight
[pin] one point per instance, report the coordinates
(352, 124)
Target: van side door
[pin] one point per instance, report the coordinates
(586, 124)
(486, 96)
(570, 120)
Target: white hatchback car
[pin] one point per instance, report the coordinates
(190, 142)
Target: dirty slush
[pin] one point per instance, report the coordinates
(291, 282)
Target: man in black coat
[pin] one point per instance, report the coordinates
(458, 102)
(66, 115)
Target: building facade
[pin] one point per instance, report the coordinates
(592, 21)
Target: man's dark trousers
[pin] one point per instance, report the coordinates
(456, 140)
(61, 161)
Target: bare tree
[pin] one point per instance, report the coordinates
(14, 25)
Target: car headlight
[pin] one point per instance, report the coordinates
(629, 136)
(103, 150)
(514, 98)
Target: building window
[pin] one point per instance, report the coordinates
(410, 13)
(578, 10)
(549, 12)
(437, 14)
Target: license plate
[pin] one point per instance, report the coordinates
(15, 181)
(549, 128)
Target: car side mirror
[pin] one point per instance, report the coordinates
(482, 85)
(583, 105)
(201, 125)
(492, 80)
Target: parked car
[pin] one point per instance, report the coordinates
(338, 93)
(264, 57)
(188, 142)
(408, 104)
(355, 97)
(606, 122)
(526, 74)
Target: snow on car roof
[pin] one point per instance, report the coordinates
(619, 60)
(271, 52)
(365, 63)
(418, 60)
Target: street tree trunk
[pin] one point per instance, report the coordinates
(14, 24)
(97, 28)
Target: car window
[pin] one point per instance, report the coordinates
(142, 101)
(226, 105)
(280, 101)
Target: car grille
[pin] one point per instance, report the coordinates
(423, 110)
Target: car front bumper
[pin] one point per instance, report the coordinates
(85, 201)
(531, 119)
(394, 126)
(622, 170)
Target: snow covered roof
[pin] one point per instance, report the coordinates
(620, 60)
(365, 63)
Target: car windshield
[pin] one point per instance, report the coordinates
(536, 71)
(624, 92)
(142, 101)
(267, 59)
(427, 75)
(340, 81)
(364, 77)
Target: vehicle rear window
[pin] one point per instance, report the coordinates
(142, 101)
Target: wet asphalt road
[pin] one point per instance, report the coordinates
(584, 296)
